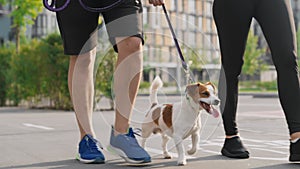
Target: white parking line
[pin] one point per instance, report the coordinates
(270, 158)
(263, 114)
(37, 126)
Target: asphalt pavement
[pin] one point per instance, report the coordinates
(44, 139)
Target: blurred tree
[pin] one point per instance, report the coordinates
(6, 51)
(54, 72)
(23, 13)
(39, 70)
(105, 65)
(252, 56)
(24, 73)
(194, 58)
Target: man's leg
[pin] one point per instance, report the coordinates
(127, 78)
(79, 33)
(126, 83)
(81, 87)
(124, 27)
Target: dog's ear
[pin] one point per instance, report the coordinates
(193, 91)
(212, 85)
(192, 88)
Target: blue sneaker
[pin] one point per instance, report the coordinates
(126, 146)
(90, 151)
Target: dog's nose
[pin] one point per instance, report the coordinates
(216, 102)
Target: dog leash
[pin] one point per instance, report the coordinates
(51, 6)
(184, 64)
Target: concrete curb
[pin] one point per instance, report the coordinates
(254, 95)
(260, 95)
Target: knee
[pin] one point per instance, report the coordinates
(285, 61)
(86, 60)
(131, 44)
(232, 71)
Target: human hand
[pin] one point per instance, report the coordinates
(157, 2)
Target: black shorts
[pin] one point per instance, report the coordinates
(78, 27)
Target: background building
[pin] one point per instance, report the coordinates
(44, 24)
(194, 26)
(5, 23)
(196, 33)
(271, 73)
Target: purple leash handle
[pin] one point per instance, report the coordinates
(100, 9)
(51, 7)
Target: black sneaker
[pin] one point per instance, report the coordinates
(295, 151)
(234, 148)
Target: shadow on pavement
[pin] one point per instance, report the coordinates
(119, 163)
(281, 166)
(74, 164)
(110, 164)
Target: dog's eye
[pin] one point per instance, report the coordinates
(205, 94)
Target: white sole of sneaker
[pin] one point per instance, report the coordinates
(85, 161)
(120, 153)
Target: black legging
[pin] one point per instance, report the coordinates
(233, 19)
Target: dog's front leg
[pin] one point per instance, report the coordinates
(143, 142)
(195, 140)
(180, 150)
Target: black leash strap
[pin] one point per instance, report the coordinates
(184, 65)
(103, 9)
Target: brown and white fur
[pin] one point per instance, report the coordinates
(179, 120)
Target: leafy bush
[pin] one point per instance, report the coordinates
(6, 53)
(144, 85)
(270, 86)
(104, 72)
(54, 71)
(24, 73)
(39, 70)
(258, 86)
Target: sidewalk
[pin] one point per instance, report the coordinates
(44, 139)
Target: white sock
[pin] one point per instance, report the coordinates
(295, 140)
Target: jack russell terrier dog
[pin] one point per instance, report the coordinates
(179, 120)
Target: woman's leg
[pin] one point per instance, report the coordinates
(233, 19)
(278, 26)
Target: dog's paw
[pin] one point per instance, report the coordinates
(167, 156)
(181, 163)
(191, 151)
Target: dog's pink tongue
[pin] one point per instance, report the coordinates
(214, 112)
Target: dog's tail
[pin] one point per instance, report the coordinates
(156, 84)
